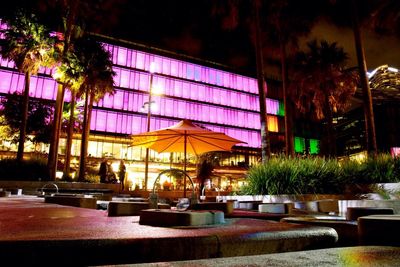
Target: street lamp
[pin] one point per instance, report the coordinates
(148, 103)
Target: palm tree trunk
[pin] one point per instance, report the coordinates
(70, 133)
(330, 130)
(24, 119)
(85, 135)
(367, 98)
(82, 159)
(288, 114)
(53, 151)
(265, 143)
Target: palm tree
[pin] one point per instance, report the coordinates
(97, 81)
(322, 85)
(70, 75)
(286, 21)
(230, 16)
(367, 98)
(77, 16)
(352, 13)
(30, 46)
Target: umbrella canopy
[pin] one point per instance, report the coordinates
(185, 137)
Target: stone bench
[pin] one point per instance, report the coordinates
(325, 206)
(74, 201)
(347, 230)
(124, 208)
(226, 207)
(353, 213)
(181, 218)
(379, 230)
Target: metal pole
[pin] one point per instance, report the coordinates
(146, 162)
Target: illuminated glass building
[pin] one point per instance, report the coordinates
(206, 93)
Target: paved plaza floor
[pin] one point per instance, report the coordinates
(36, 233)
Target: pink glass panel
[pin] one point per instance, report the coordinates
(133, 59)
(193, 91)
(197, 73)
(124, 79)
(49, 89)
(5, 81)
(117, 76)
(122, 56)
(140, 60)
(118, 99)
(202, 92)
(174, 67)
(144, 82)
(101, 121)
(166, 66)
(111, 122)
(108, 101)
(272, 106)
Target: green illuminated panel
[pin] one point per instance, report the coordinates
(299, 144)
(314, 146)
(281, 110)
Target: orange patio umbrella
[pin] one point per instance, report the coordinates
(185, 137)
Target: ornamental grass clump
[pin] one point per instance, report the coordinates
(282, 175)
(317, 175)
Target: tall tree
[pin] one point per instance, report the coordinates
(29, 45)
(37, 126)
(69, 74)
(367, 97)
(322, 85)
(353, 13)
(285, 22)
(250, 14)
(97, 82)
(77, 17)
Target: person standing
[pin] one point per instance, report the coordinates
(122, 173)
(103, 171)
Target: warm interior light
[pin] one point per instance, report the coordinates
(157, 89)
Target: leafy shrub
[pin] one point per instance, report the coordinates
(27, 170)
(283, 175)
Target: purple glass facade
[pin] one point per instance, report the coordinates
(219, 100)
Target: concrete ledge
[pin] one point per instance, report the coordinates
(379, 230)
(181, 218)
(348, 256)
(346, 230)
(74, 201)
(226, 207)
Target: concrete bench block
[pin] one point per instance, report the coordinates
(5, 193)
(354, 212)
(226, 207)
(328, 205)
(379, 230)
(116, 208)
(180, 218)
(248, 205)
(124, 208)
(74, 201)
(272, 208)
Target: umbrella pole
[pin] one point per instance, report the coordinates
(184, 164)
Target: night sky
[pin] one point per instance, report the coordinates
(195, 28)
